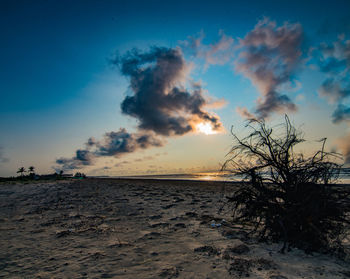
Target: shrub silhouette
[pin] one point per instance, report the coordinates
(289, 197)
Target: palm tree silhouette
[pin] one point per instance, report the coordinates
(31, 172)
(21, 170)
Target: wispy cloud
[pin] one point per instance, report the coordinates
(334, 60)
(216, 103)
(146, 158)
(244, 113)
(122, 163)
(217, 53)
(269, 57)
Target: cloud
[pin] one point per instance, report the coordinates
(344, 145)
(159, 99)
(342, 113)
(81, 159)
(113, 144)
(117, 143)
(332, 90)
(334, 61)
(218, 53)
(216, 104)
(146, 158)
(269, 57)
(122, 164)
(91, 142)
(244, 113)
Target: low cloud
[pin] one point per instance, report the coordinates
(118, 143)
(159, 100)
(91, 142)
(81, 159)
(269, 57)
(122, 164)
(145, 158)
(113, 144)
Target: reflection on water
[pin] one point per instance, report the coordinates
(204, 176)
(344, 177)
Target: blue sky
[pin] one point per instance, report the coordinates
(58, 87)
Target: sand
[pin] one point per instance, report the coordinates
(110, 228)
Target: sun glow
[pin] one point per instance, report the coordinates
(205, 128)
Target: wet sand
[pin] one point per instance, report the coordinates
(120, 228)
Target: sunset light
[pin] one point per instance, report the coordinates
(205, 128)
(175, 139)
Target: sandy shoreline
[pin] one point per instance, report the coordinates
(130, 228)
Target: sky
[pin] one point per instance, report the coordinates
(154, 87)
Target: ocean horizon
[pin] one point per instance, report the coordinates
(344, 176)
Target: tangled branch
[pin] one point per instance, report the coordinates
(289, 196)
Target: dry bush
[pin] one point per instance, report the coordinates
(289, 197)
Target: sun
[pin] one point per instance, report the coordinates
(205, 128)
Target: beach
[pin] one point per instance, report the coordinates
(138, 228)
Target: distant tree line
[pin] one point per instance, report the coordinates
(30, 174)
(31, 171)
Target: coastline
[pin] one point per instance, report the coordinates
(138, 228)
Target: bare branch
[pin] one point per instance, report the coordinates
(288, 197)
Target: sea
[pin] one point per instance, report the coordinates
(344, 176)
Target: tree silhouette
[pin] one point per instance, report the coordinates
(31, 172)
(80, 175)
(21, 170)
(289, 196)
